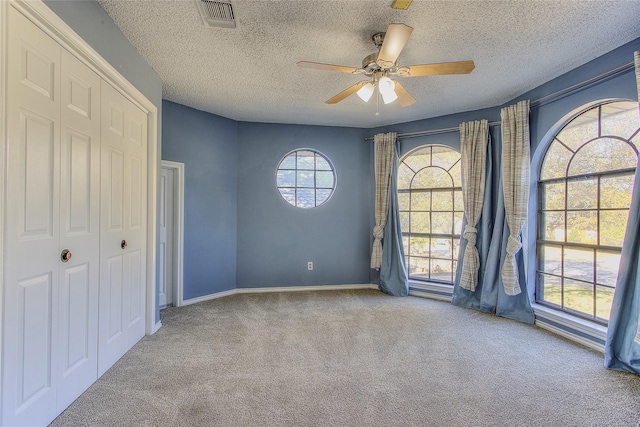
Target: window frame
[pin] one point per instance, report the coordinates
(315, 186)
(541, 241)
(453, 236)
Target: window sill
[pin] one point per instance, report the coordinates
(431, 290)
(589, 334)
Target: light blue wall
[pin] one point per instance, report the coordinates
(208, 146)
(275, 239)
(94, 26)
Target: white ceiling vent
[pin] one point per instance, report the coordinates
(217, 13)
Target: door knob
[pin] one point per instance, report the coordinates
(123, 244)
(65, 256)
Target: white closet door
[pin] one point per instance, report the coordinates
(122, 226)
(32, 256)
(165, 252)
(79, 229)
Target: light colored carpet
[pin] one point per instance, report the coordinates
(353, 358)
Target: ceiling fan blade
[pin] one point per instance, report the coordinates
(462, 67)
(328, 67)
(345, 93)
(394, 41)
(404, 97)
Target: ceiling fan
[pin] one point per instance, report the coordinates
(379, 66)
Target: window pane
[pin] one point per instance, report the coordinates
(289, 194)
(286, 178)
(582, 226)
(419, 159)
(457, 223)
(456, 248)
(552, 226)
(442, 222)
(289, 162)
(440, 247)
(578, 296)
(553, 196)
(403, 201)
(615, 191)
(420, 222)
(324, 179)
(305, 198)
(581, 129)
(441, 270)
(442, 201)
(620, 119)
(456, 174)
(607, 263)
(551, 259)
(444, 157)
(555, 161)
(404, 222)
(458, 203)
(405, 246)
(550, 289)
(305, 179)
(420, 201)
(405, 175)
(602, 155)
(582, 194)
(612, 227)
(306, 160)
(432, 178)
(604, 298)
(636, 141)
(419, 267)
(322, 164)
(322, 195)
(578, 264)
(419, 246)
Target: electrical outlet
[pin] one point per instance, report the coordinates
(310, 265)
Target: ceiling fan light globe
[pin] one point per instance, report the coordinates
(365, 92)
(386, 85)
(389, 97)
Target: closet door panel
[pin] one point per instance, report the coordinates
(32, 226)
(79, 228)
(123, 226)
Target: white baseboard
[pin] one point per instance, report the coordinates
(277, 289)
(305, 288)
(208, 297)
(156, 327)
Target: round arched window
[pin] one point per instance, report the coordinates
(584, 194)
(305, 178)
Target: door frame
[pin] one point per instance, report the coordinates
(178, 228)
(45, 19)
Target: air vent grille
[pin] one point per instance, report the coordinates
(217, 13)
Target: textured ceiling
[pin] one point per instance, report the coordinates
(249, 73)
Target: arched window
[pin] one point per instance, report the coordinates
(584, 191)
(431, 210)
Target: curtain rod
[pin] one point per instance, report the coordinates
(547, 99)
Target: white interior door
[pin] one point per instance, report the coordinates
(166, 237)
(122, 226)
(79, 229)
(32, 256)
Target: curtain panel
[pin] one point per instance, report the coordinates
(622, 347)
(394, 279)
(515, 177)
(473, 142)
(492, 233)
(383, 146)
